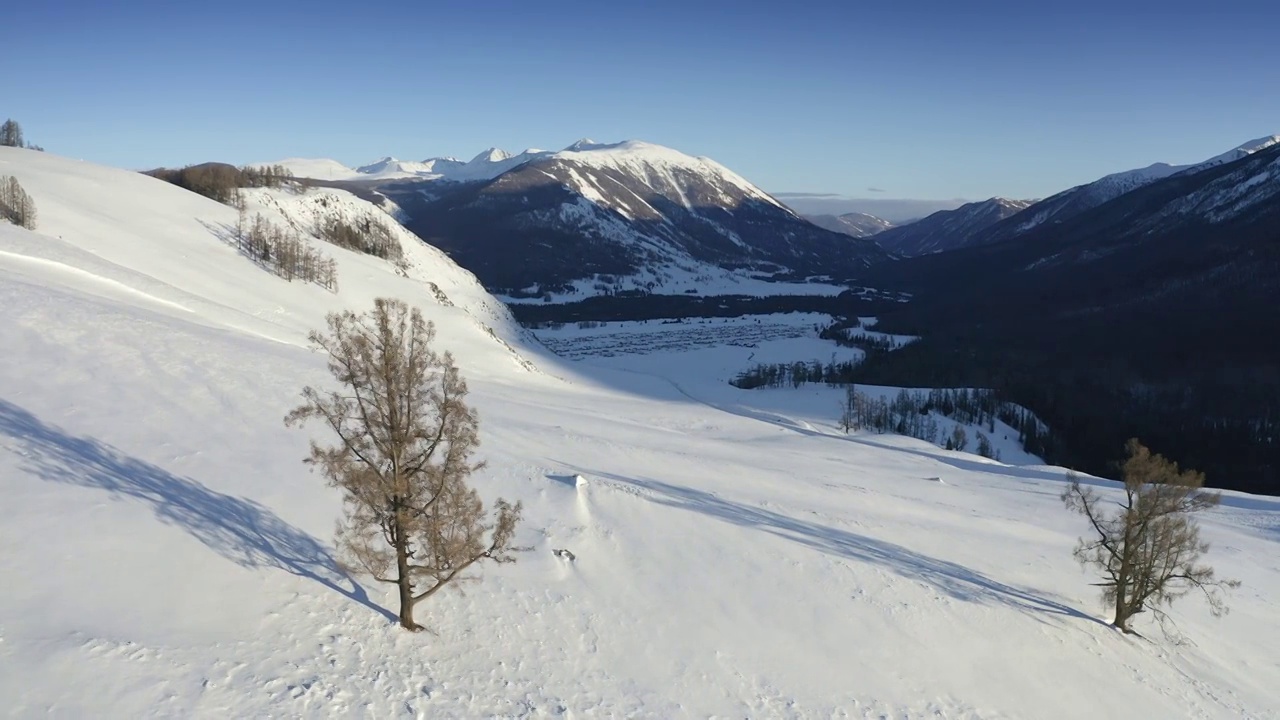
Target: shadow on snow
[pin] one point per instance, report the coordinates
(240, 530)
(952, 579)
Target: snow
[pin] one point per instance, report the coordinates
(629, 156)
(164, 552)
(1240, 151)
(316, 168)
(687, 277)
(1113, 186)
(642, 159)
(492, 155)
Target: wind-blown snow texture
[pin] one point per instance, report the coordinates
(164, 552)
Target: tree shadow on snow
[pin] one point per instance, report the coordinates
(952, 579)
(238, 529)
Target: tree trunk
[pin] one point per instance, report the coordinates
(1124, 609)
(1122, 614)
(406, 588)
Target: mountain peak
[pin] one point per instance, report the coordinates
(583, 144)
(1237, 152)
(492, 155)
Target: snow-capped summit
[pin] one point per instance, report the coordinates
(629, 209)
(492, 155)
(583, 144)
(1240, 151)
(442, 165)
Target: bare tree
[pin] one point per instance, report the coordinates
(1149, 549)
(405, 440)
(16, 205)
(849, 409)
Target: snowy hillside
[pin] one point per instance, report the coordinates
(948, 229)
(164, 552)
(1072, 202)
(1078, 199)
(1240, 151)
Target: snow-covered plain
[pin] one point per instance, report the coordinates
(164, 552)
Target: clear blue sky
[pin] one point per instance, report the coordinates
(919, 100)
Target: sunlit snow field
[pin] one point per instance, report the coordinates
(164, 552)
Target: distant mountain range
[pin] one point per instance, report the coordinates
(854, 224)
(898, 211)
(604, 219)
(999, 219)
(949, 229)
(1079, 199)
(1142, 304)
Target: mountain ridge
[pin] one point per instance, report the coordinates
(948, 229)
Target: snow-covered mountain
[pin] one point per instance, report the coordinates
(597, 218)
(855, 224)
(948, 229)
(1180, 254)
(1081, 198)
(1241, 151)
(484, 166)
(164, 552)
(315, 168)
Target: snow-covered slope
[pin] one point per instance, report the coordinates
(1069, 203)
(1240, 151)
(114, 220)
(948, 229)
(660, 168)
(314, 168)
(164, 552)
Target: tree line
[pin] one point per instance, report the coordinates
(16, 206)
(795, 374)
(365, 235)
(1221, 418)
(222, 182)
(910, 412)
(11, 136)
(915, 413)
(284, 252)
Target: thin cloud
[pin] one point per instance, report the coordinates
(806, 195)
(875, 189)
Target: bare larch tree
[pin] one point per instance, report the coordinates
(16, 206)
(1148, 550)
(405, 437)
